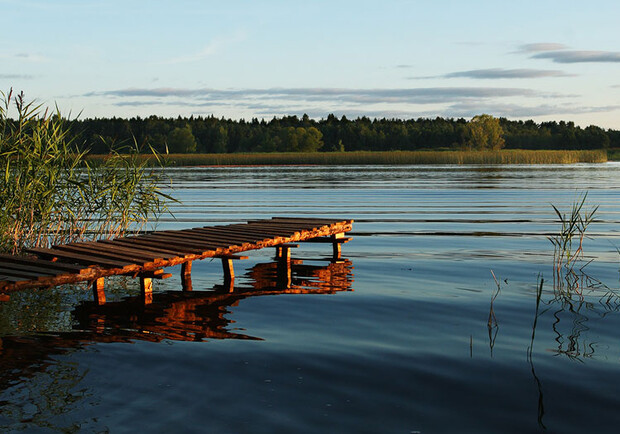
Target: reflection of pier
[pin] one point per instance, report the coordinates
(198, 315)
(172, 315)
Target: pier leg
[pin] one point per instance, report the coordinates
(98, 291)
(229, 271)
(283, 253)
(186, 276)
(336, 246)
(146, 289)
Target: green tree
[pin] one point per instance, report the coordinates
(485, 132)
(301, 139)
(181, 140)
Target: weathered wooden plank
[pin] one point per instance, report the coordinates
(78, 257)
(157, 245)
(61, 266)
(256, 233)
(259, 232)
(186, 245)
(131, 251)
(287, 224)
(218, 236)
(101, 252)
(202, 237)
(32, 268)
(22, 273)
(308, 219)
(160, 253)
(12, 279)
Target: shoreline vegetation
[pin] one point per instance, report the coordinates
(51, 194)
(372, 158)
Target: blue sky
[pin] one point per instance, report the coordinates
(541, 60)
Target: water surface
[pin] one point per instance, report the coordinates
(400, 336)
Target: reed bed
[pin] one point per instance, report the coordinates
(49, 193)
(389, 158)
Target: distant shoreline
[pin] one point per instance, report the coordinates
(379, 158)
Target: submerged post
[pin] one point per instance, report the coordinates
(99, 291)
(186, 276)
(146, 289)
(336, 245)
(229, 270)
(283, 251)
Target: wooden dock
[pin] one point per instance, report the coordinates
(145, 256)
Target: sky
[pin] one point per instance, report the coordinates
(542, 60)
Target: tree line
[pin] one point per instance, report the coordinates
(198, 134)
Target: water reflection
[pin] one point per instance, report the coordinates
(172, 315)
(573, 302)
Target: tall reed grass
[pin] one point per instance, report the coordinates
(51, 194)
(389, 158)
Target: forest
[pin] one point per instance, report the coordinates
(294, 134)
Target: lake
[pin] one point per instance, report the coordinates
(444, 314)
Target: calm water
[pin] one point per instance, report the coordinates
(397, 338)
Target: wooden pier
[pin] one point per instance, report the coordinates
(145, 256)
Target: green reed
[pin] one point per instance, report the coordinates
(568, 242)
(387, 157)
(51, 194)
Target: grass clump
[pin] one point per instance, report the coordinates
(51, 194)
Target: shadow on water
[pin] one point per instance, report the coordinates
(171, 316)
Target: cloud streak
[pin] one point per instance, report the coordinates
(501, 73)
(421, 95)
(580, 56)
(16, 76)
(542, 46)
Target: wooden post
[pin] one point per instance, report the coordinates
(283, 251)
(146, 289)
(98, 291)
(336, 246)
(229, 271)
(186, 276)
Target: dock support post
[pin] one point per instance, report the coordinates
(336, 246)
(283, 251)
(186, 276)
(99, 291)
(146, 289)
(229, 270)
(283, 257)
